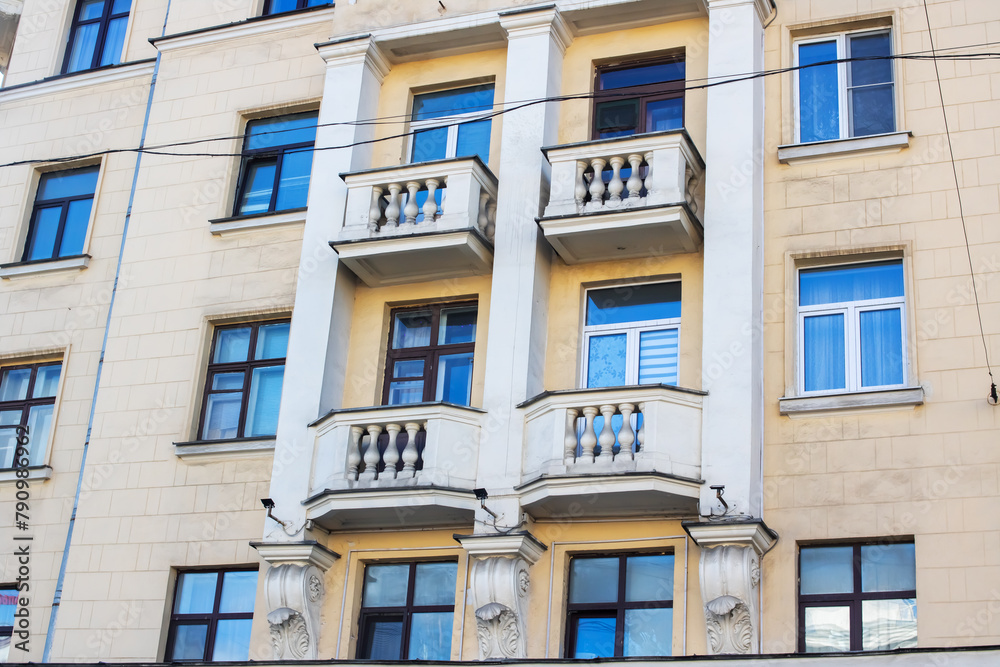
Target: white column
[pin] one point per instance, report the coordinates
(515, 353)
(732, 353)
(324, 294)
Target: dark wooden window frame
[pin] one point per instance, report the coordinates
(575, 610)
(63, 202)
(652, 92)
(245, 367)
(404, 613)
(177, 620)
(430, 353)
(276, 153)
(852, 600)
(28, 402)
(102, 33)
(299, 5)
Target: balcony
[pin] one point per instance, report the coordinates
(646, 201)
(418, 222)
(420, 471)
(612, 452)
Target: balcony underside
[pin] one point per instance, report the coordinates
(610, 495)
(410, 507)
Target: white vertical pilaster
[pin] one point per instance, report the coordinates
(324, 294)
(732, 352)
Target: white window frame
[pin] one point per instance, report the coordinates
(452, 122)
(843, 84)
(852, 333)
(632, 330)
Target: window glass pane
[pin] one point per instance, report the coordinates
(71, 183)
(887, 625)
(238, 591)
(272, 341)
(114, 41)
(14, 385)
(121, 6)
(412, 329)
(410, 368)
(227, 381)
(474, 139)
(43, 233)
(639, 76)
(593, 580)
(873, 111)
(430, 636)
(824, 352)
(435, 585)
(222, 416)
(606, 361)
(281, 131)
(594, 637)
(81, 57)
(633, 303)
(383, 638)
(658, 357)
(91, 9)
(452, 102)
(77, 219)
(404, 393)
(458, 325)
(826, 570)
(881, 347)
(454, 378)
(8, 604)
(259, 185)
(278, 6)
(39, 425)
(888, 567)
(189, 642)
(265, 399)
(385, 585)
(232, 345)
(617, 118)
(8, 437)
(430, 145)
(46, 381)
(664, 115)
(293, 186)
(197, 593)
(232, 639)
(648, 631)
(828, 629)
(866, 72)
(649, 578)
(819, 96)
(860, 282)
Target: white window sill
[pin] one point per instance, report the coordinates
(827, 404)
(242, 223)
(205, 451)
(841, 148)
(35, 473)
(38, 268)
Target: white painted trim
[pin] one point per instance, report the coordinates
(875, 144)
(35, 473)
(543, 489)
(521, 545)
(227, 226)
(223, 450)
(750, 534)
(33, 269)
(83, 81)
(261, 27)
(848, 402)
(296, 553)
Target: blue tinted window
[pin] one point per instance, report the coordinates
(641, 76)
(453, 102)
(819, 96)
(281, 131)
(633, 303)
(860, 282)
(63, 184)
(97, 35)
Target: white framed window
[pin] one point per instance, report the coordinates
(631, 335)
(452, 123)
(840, 100)
(852, 327)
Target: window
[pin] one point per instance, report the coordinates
(430, 355)
(8, 605)
(407, 611)
(27, 396)
(631, 335)
(639, 97)
(851, 327)
(620, 606)
(98, 34)
(281, 6)
(61, 214)
(212, 615)
(243, 389)
(859, 597)
(277, 161)
(838, 100)
(450, 123)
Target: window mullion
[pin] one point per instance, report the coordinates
(846, 122)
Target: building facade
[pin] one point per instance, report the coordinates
(493, 329)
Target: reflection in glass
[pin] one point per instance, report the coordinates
(819, 94)
(232, 345)
(648, 631)
(75, 229)
(474, 139)
(238, 592)
(826, 570)
(412, 329)
(265, 399)
(430, 145)
(663, 115)
(281, 131)
(887, 625)
(435, 584)
(8, 437)
(69, 183)
(454, 379)
(272, 341)
(430, 635)
(633, 303)
(189, 642)
(649, 578)
(593, 580)
(458, 325)
(293, 185)
(385, 585)
(39, 425)
(232, 639)
(197, 593)
(43, 233)
(259, 186)
(408, 368)
(383, 639)
(14, 385)
(888, 567)
(594, 637)
(828, 629)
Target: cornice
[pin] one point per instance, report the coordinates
(537, 20)
(82, 80)
(258, 26)
(353, 50)
(763, 7)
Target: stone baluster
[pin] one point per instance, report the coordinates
(588, 441)
(640, 437)
(410, 454)
(616, 186)
(634, 179)
(411, 210)
(371, 454)
(597, 182)
(607, 437)
(569, 444)
(491, 218)
(392, 210)
(375, 214)
(483, 219)
(391, 456)
(650, 183)
(354, 452)
(626, 438)
(430, 206)
(580, 187)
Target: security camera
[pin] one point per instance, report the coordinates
(481, 494)
(267, 503)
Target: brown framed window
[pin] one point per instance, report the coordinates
(407, 611)
(638, 97)
(243, 387)
(430, 354)
(620, 606)
(27, 396)
(857, 597)
(212, 615)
